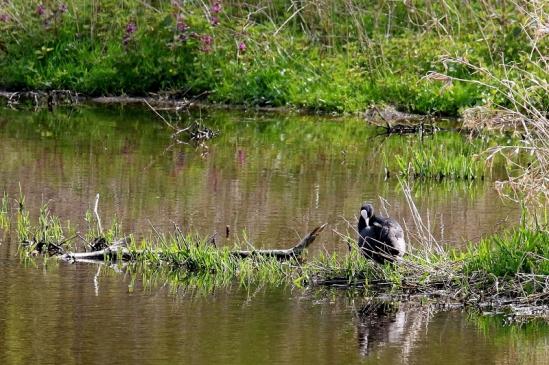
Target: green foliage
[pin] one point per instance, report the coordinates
(4, 212)
(443, 156)
(521, 251)
(332, 59)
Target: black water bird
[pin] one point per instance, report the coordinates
(380, 239)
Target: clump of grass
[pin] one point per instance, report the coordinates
(4, 212)
(23, 221)
(190, 254)
(522, 251)
(441, 157)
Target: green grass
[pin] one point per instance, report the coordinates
(523, 251)
(441, 157)
(333, 60)
(512, 264)
(4, 212)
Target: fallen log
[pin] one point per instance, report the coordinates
(118, 251)
(282, 254)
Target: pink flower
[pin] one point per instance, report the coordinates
(214, 21)
(206, 41)
(62, 8)
(4, 18)
(182, 26)
(216, 8)
(131, 28)
(40, 9)
(242, 47)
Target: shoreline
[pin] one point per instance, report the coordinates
(383, 114)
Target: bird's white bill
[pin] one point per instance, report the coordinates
(364, 215)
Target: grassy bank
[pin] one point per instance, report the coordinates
(331, 55)
(509, 269)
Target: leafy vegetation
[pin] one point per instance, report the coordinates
(336, 56)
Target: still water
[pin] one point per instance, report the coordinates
(271, 178)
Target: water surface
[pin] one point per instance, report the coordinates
(273, 177)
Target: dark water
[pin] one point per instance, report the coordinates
(274, 178)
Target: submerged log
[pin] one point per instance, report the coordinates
(119, 251)
(282, 254)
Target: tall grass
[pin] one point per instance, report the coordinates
(523, 251)
(327, 55)
(441, 157)
(517, 79)
(4, 212)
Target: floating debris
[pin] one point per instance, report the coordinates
(39, 99)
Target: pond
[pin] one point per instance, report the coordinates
(271, 178)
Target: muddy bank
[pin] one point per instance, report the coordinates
(379, 115)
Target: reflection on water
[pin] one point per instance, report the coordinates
(73, 314)
(273, 177)
(413, 333)
(389, 324)
(270, 176)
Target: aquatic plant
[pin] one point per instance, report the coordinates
(521, 251)
(443, 156)
(4, 212)
(511, 268)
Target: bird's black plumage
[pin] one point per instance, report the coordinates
(381, 239)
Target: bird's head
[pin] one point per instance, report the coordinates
(366, 212)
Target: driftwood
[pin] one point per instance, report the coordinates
(118, 251)
(115, 252)
(40, 98)
(420, 128)
(289, 253)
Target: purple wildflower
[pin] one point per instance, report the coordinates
(40, 9)
(181, 25)
(62, 8)
(242, 47)
(214, 21)
(216, 8)
(4, 18)
(131, 28)
(206, 41)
